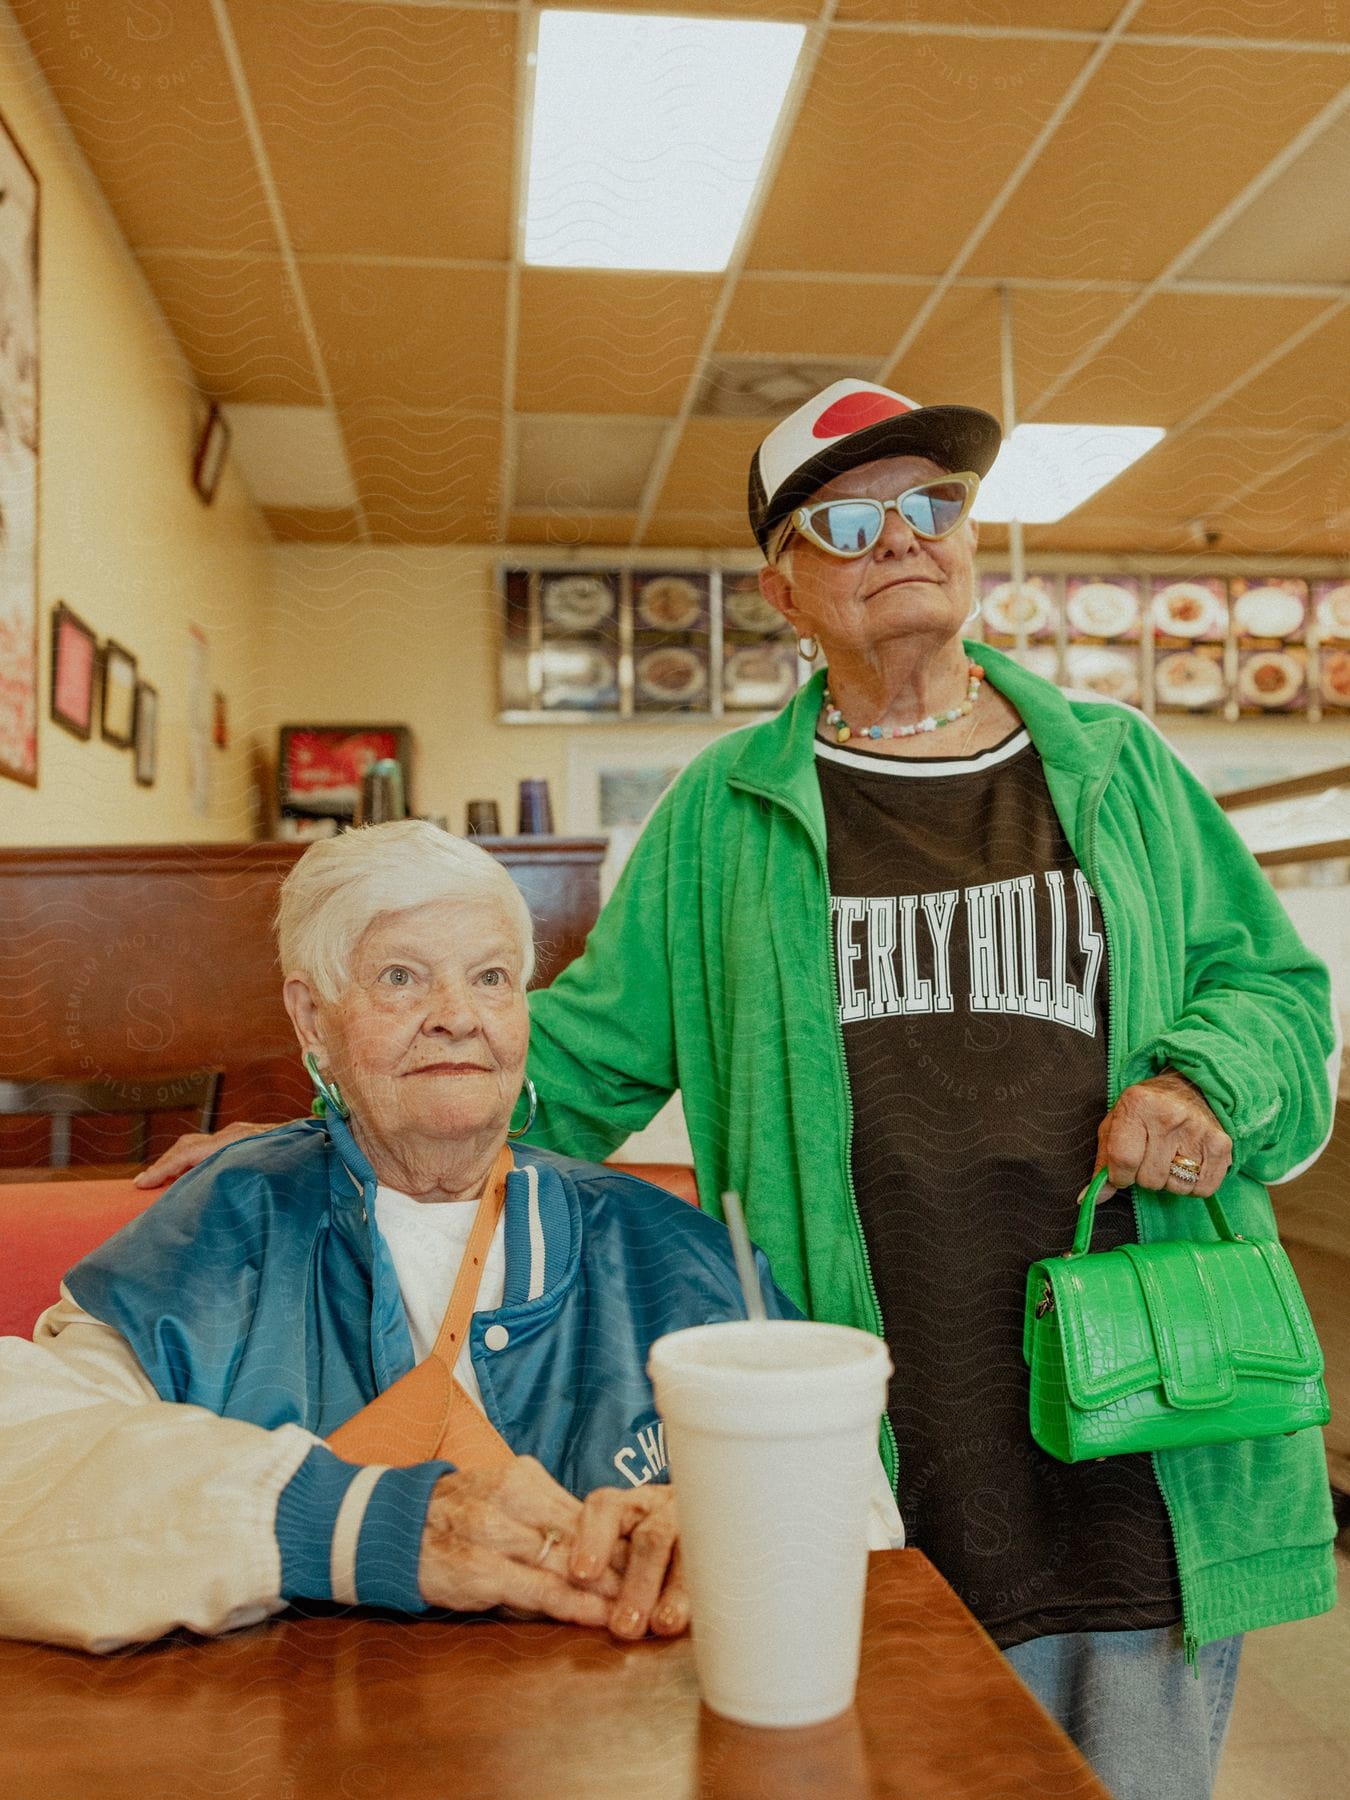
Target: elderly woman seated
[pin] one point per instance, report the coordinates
(162, 1439)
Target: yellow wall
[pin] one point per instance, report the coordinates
(401, 635)
(123, 538)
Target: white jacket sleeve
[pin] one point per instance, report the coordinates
(123, 1516)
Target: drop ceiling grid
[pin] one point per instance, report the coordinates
(169, 168)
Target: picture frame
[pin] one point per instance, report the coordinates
(74, 669)
(20, 606)
(146, 750)
(320, 767)
(208, 460)
(119, 695)
(220, 721)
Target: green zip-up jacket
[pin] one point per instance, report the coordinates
(711, 970)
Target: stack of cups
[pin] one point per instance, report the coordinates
(771, 1432)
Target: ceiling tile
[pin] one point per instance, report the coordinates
(1311, 19)
(901, 145)
(313, 525)
(1174, 354)
(425, 478)
(609, 342)
(291, 455)
(1291, 232)
(152, 106)
(1307, 391)
(710, 531)
(843, 317)
(1159, 141)
(570, 528)
(710, 467)
(1308, 503)
(431, 338)
(1064, 15)
(389, 128)
(1191, 476)
(235, 319)
(740, 9)
(568, 464)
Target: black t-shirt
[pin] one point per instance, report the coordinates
(972, 970)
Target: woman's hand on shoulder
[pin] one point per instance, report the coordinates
(192, 1148)
(1154, 1121)
(512, 1537)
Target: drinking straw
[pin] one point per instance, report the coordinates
(745, 1256)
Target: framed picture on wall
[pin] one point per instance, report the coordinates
(19, 463)
(119, 695)
(320, 767)
(74, 665)
(209, 460)
(147, 733)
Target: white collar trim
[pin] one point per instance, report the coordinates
(920, 768)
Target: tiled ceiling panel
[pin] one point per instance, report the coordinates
(1314, 20)
(236, 320)
(389, 128)
(1299, 228)
(711, 467)
(572, 464)
(1159, 141)
(1064, 15)
(148, 95)
(1307, 390)
(1174, 354)
(313, 525)
(782, 317)
(602, 342)
(428, 337)
(901, 145)
(423, 477)
(567, 529)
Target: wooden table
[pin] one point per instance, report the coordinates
(360, 1706)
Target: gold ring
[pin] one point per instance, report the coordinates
(1186, 1165)
(550, 1539)
(1179, 1174)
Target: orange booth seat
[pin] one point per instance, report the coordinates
(47, 1226)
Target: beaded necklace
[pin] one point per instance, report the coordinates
(843, 731)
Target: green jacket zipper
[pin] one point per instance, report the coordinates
(1190, 1641)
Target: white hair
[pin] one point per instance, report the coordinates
(341, 884)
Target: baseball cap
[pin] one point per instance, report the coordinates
(853, 422)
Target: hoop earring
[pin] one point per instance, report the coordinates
(808, 649)
(328, 1094)
(534, 1107)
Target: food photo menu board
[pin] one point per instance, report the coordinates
(603, 644)
(1331, 623)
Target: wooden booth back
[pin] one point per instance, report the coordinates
(134, 961)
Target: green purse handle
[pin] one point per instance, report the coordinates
(1087, 1213)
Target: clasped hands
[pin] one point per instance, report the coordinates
(511, 1537)
(1152, 1124)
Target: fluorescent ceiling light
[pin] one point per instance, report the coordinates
(1044, 471)
(648, 136)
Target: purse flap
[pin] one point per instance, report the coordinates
(1173, 1315)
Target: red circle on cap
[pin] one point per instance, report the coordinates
(854, 411)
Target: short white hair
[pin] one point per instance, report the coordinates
(340, 885)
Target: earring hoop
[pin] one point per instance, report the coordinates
(328, 1094)
(534, 1107)
(808, 649)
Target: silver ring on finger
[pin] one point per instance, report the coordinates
(551, 1538)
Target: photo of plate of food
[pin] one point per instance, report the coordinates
(1333, 612)
(577, 602)
(1270, 678)
(1114, 674)
(1268, 612)
(1187, 609)
(1102, 609)
(669, 603)
(1041, 659)
(671, 673)
(1187, 679)
(759, 675)
(1336, 677)
(577, 675)
(1015, 612)
(746, 609)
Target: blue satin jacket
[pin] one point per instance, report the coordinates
(259, 1288)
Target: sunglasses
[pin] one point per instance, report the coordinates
(851, 527)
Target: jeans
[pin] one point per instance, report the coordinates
(1136, 1712)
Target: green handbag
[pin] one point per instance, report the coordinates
(1152, 1346)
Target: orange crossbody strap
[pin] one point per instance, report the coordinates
(426, 1415)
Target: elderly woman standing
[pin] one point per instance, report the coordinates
(920, 953)
(161, 1439)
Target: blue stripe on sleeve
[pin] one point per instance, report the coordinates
(390, 1542)
(306, 1514)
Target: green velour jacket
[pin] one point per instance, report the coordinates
(711, 970)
